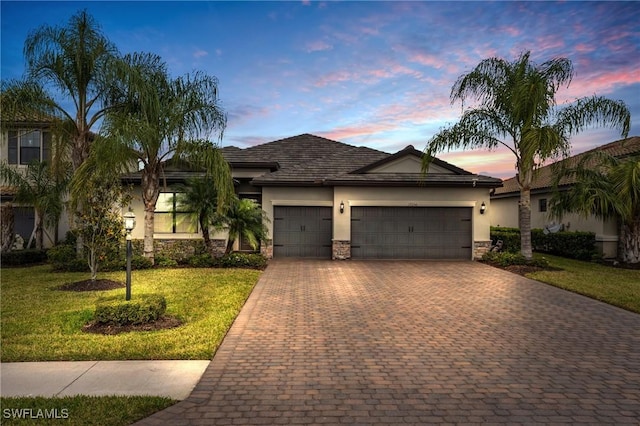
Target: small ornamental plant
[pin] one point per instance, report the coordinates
(142, 309)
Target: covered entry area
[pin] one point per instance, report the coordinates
(302, 231)
(411, 233)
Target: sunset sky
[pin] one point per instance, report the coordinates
(372, 73)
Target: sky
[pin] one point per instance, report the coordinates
(366, 73)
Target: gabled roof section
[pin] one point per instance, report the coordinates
(410, 151)
(543, 178)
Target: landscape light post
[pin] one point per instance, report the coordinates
(129, 224)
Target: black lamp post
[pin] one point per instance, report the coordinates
(129, 224)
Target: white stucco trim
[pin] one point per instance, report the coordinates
(410, 203)
(303, 203)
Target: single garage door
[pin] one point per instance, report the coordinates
(411, 232)
(302, 231)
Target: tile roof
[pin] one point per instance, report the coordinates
(544, 175)
(306, 160)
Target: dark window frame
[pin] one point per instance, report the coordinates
(174, 212)
(542, 205)
(18, 150)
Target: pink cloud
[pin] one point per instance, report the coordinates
(347, 132)
(318, 46)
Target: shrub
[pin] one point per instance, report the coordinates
(61, 254)
(139, 262)
(23, 257)
(510, 238)
(201, 261)
(164, 262)
(242, 260)
(575, 245)
(507, 259)
(142, 309)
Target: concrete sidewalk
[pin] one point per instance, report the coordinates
(174, 379)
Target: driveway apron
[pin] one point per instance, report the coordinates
(386, 342)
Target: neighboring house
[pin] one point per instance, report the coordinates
(22, 143)
(327, 199)
(504, 201)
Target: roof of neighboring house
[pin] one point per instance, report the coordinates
(309, 160)
(544, 176)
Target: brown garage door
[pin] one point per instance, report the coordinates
(411, 232)
(302, 231)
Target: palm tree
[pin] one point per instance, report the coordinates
(41, 189)
(517, 109)
(245, 219)
(68, 78)
(199, 195)
(608, 188)
(73, 61)
(163, 118)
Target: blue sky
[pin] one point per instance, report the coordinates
(367, 73)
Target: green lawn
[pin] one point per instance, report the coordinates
(619, 287)
(80, 410)
(41, 323)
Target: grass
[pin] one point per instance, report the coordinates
(41, 323)
(618, 287)
(80, 410)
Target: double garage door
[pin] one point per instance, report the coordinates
(376, 232)
(411, 233)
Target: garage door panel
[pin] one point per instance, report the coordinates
(411, 232)
(302, 231)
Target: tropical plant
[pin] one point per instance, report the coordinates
(163, 118)
(245, 218)
(38, 187)
(68, 80)
(517, 109)
(97, 196)
(199, 196)
(608, 188)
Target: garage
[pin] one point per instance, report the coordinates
(302, 231)
(411, 232)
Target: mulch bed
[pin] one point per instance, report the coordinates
(163, 323)
(88, 285)
(520, 269)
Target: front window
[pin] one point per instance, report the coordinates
(26, 146)
(542, 205)
(169, 218)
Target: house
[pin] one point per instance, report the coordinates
(22, 142)
(504, 201)
(328, 199)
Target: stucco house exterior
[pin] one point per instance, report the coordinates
(327, 199)
(504, 201)
(21, 143)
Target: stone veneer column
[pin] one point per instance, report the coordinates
(266, 249)
(341, 250)
(480, 248)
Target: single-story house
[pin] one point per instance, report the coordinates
(504, 201)
(328, 199)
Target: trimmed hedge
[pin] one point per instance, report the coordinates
(231, 260)
(23, 257)
(63, 259)
(574, 245)
(142, 309)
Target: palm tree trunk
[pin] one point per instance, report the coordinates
(39, 233)
(230, 242)
(524, 217)
(629, 243)
(150, 193)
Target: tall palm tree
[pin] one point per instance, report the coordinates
(68, 78)
(245, 219)
(40, 188)
(199, 196)
(608, 188)
(517, 109)
(163, 118)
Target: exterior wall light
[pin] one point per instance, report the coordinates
(129, 224)
(483, 208)
(341, 207)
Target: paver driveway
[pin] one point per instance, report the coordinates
(417, 342)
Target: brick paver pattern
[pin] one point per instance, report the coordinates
(360, 342)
